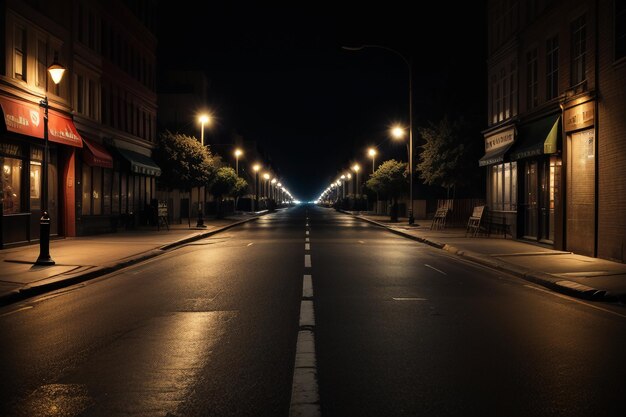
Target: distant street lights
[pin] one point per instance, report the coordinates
(408, 64)
(56, 71)
(356, 169)
(238, 153)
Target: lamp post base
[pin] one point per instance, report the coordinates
(200, 222)
(411, 218)
(44, 241)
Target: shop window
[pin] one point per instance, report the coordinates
(96, 192)
(115, 193)
(106, 191)
(503, 187)
(124, 194)
(35, 185)
(86, 200)
(11, 185)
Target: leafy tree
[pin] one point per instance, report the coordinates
(449, 154)
(224, 183)
(390, 180)
(184, 162)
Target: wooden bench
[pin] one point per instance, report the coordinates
(439, 220)
(498, 224)
(475, 220)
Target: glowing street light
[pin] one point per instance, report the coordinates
(356, 169)
(204, 119)
(372, 153)
(256, 169)
(238, 153)
(56, 71)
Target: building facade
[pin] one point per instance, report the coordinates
(555, 146)
(102, 122)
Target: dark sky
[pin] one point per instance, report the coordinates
(279, 76)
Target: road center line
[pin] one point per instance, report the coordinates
(250, 244)
(307, 261)
(307, 246)
(307, 232)
(432, 267)
(306, 239)
(307, 287)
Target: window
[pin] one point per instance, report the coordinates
(106, 191)
(115, 193)
(532, 83)
(42, 63)
(80, 94)
(502, 187)
(96, 192)
(92, 99)
(579, 51)
(19, 55)
(552, 68)
(86, 210)
(11, 182)
(620, 29)
(513, 89)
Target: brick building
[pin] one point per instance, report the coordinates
(555, 146)
(102, 122)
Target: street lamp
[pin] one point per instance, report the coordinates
(408, 64)
(256, 169)
(204, 120)
(56, 71)
(356, 169)
(238, 153)
(266, 186)
(372, 153)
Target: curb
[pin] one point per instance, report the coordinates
(31, 290)
(549, 281)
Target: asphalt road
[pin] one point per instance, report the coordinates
(400, 328)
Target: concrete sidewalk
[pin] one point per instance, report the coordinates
(565, 272)
(81, 258)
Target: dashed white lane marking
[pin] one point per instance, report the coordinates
(307, 315)
(307, 287)
(307, 224)
(575, 300)
(307, 232)
(304, 393)
(306, 239)
(307, 261)
(409, 299)
(250, 244)
(435, 269)
(307, 246)
(361, 242)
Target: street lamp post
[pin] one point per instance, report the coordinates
(372, 153)
(238, 153)
(408, 64)
(56, 73)
(356, 169)
(204, 119)
(256, 169)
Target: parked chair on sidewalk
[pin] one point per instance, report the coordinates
(474, 222)
(439, 220)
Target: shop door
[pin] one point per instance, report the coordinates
(581, 196)
(530, 200)
(548, 196)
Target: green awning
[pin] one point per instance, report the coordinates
(140, 164)
(537, 138)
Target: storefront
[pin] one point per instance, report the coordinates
(580, 146)
(539, 162)
(501, 175)
(22, 161)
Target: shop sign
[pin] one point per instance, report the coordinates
(499, 140)
(579, 117)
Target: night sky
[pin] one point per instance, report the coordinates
(278, 75)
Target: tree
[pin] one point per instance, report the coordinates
(224, 183)
(390, 180)
(184, 162)
(448, 157)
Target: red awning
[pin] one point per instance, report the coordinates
(61, 129)
(22, 117)
(27, 119)
(96, 155)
